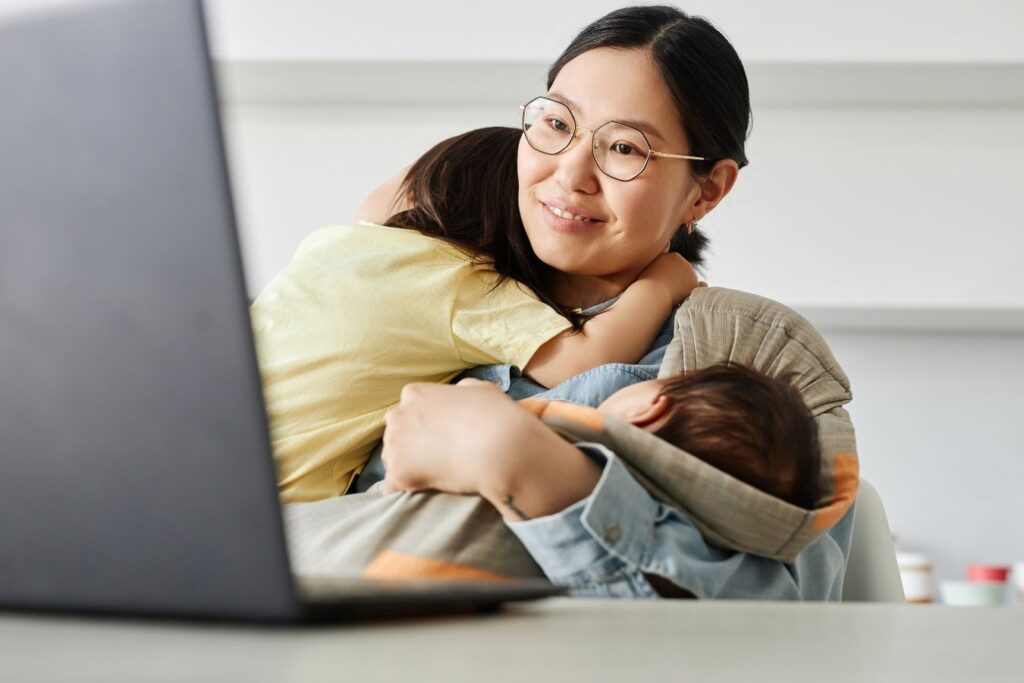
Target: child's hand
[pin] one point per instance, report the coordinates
(673, 272)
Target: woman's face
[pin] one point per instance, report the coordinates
(627, 224)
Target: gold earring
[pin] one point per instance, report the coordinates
(690, 227)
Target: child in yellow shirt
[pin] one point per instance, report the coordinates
(362, 310)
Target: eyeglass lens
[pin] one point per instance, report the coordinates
(620, 151)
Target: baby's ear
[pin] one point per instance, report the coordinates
(646, 416)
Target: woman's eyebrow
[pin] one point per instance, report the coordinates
(645, 126)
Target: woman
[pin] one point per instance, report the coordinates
(596, 225)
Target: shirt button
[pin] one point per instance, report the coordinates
(612, 533)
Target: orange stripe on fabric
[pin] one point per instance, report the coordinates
(582, 415)
(846, 470)
(391, 565)
(534, 405)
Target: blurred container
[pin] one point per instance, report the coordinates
(973, 593)
(916, 575)
(987, 572)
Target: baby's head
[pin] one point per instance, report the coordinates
(751, 426)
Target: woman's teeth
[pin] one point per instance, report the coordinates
(566, 214)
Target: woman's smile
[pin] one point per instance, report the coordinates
(565, 218)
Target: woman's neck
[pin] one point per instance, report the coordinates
(583, 291)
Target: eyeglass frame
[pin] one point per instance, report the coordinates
(576, 128)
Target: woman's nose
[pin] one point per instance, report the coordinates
(577, 171)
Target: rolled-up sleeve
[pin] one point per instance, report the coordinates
(620, 541)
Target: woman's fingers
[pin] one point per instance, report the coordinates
(446, 437)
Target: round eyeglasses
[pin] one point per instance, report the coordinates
(620, 151)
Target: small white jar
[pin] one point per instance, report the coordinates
(916, 574)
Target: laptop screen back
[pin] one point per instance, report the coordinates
(135, 470)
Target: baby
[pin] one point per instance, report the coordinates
(754, 427)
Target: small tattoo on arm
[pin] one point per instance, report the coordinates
(510, 504)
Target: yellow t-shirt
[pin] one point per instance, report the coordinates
(361, 311)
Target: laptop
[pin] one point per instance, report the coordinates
(136, 474)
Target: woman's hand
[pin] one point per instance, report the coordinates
(470, 438)
(450, 438)
(674, 273)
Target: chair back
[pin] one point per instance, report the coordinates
(872, 574)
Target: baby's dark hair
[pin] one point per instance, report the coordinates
(754, 427)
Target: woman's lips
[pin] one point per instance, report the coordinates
(562, 223)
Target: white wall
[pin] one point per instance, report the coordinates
(782, 30)
(878, 206)
(938, 433)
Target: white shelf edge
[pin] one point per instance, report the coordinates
(915, 319)
(494, 82)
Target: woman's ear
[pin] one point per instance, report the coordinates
(650, 413)
(714, 187)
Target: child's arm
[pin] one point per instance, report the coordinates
(385, 201)
(624, 332)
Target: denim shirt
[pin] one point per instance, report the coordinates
(612, 542)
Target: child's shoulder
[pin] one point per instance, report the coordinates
(336, 246)
(364, 238)
(344, 233)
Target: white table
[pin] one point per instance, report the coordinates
(560, 639)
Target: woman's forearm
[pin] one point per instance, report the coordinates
(471, 438)
(551, 475)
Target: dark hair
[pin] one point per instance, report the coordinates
(702, 72)
(751, 426)
(465, 190)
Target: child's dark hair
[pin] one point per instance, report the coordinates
(751, 426)
(466, 190)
